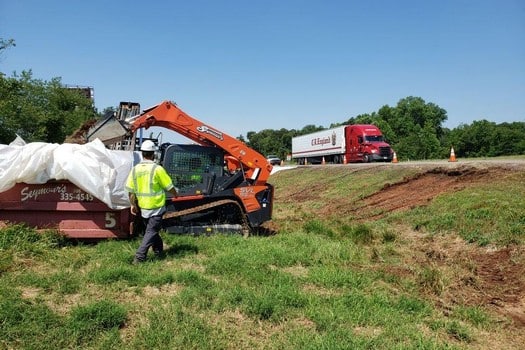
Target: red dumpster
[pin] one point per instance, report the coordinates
(64, 206)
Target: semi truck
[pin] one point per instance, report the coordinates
(343, 144)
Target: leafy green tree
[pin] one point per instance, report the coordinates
(269, 141)
(477, 139)
(5, 44)
(483, 138)
(430, 147)
(421, 144)
(509, 139)
(308, 129)
(413, 128)
(278, 142)
(40, 110)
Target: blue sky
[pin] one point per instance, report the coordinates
(250, 65)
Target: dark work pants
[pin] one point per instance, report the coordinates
(151, 238)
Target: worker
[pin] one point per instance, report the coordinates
(146, 184)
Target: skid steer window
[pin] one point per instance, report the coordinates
(191, 171)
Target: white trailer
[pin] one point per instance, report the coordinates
(311, 148)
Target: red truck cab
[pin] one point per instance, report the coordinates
(365, 143)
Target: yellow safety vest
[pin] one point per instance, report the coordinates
(148, 181)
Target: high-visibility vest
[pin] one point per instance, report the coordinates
(148, 181)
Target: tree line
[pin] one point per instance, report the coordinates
(414, 129)
(38, 110)
(48, 111)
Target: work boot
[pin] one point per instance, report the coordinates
(137, 261)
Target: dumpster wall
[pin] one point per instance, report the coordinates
(64, 206)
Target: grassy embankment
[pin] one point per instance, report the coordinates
(322, 282)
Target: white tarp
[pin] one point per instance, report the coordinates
(92, 167)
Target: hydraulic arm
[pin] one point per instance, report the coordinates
(169, 116)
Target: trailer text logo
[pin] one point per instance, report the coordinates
(321, 141)
(27, 194)
(318, 141)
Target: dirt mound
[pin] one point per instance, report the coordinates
(421, 189)
(79, 135)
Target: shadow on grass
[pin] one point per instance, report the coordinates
(180, 250)
(172, 251)
(263, 231)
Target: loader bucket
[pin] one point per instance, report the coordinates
(108, 130)
(114, 130)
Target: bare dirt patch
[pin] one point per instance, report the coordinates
(422, 188)
(496, 281)
(470, 276)
(409, 193)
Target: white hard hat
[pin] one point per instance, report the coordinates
(148, 146)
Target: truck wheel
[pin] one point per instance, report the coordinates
(366, 158)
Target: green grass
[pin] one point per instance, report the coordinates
(87, 322)
(320, 283)
(487, 213)
(295, 290)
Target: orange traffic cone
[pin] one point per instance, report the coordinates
(344, 159)
(323, 162)
(452, 155)
(394, 158)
